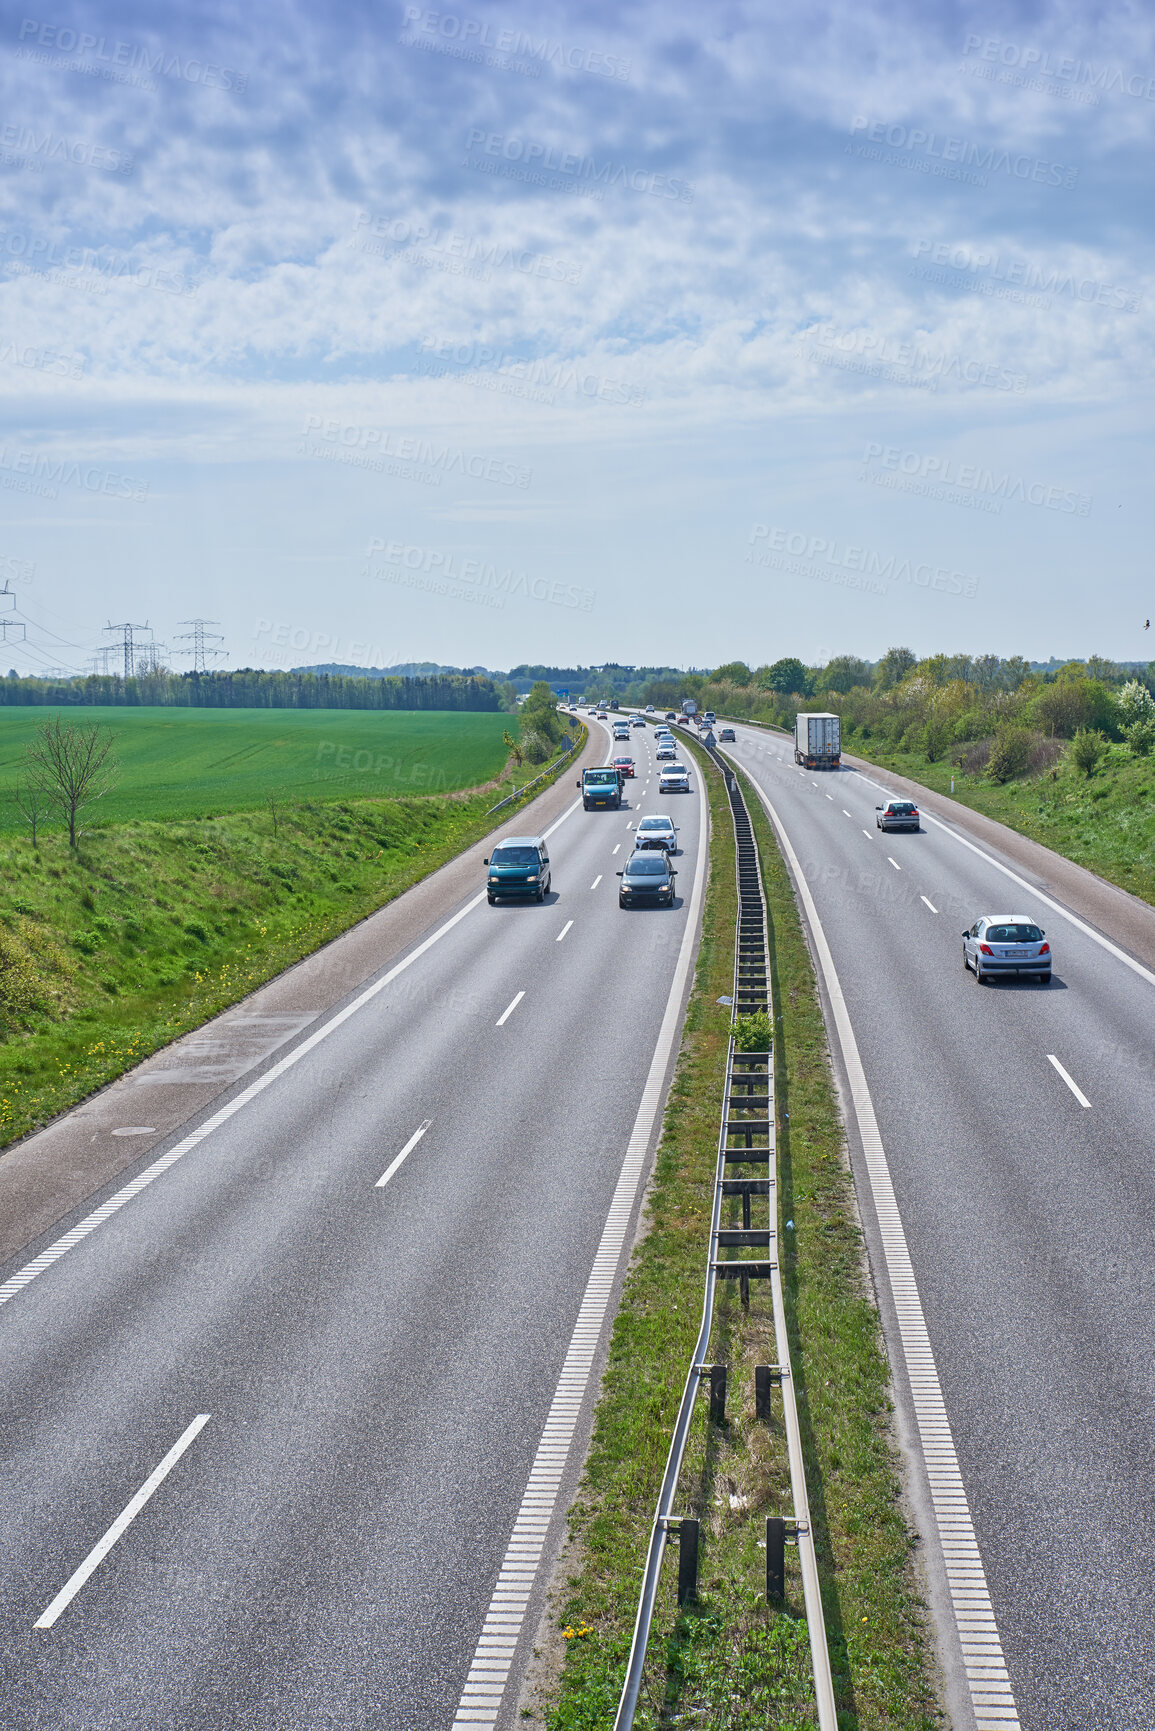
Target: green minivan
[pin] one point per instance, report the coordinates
(518, 867)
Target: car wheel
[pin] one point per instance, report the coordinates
(621, 903)
(1045, 979)
(540, 893)
(966, 963)
(492, 900)
(980, 977)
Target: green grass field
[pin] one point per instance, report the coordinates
(178, 763)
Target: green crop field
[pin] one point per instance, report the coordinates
(203, 762)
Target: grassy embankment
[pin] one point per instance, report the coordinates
(149, 928)
(1104, 821)
(732, 1661)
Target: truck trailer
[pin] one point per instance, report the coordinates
(817, 740)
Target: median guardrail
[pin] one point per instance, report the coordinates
(746, 1148)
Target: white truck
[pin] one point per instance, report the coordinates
(817, 740)
(689, 707)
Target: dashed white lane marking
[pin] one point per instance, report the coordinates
(493, 1658)
(563, 932)
(894, 863)
(26, 1275)
(830, 797)
(102, 1547)
(992, 1697)
(845, 813)
(403, 1156)
(1071, 1083)
(930, 905)
(868, 835)
(598, 879)
(616, 849)
(506, 1014)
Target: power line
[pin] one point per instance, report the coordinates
(201, 640)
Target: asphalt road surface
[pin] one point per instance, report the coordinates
(1027, 1194)
(312, 1400)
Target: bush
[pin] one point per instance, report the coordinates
(1010, 754)
(1136, 706)
(535, 747)
(753, 1033)
(1087, 748)
(22, 990)
(1140, 737)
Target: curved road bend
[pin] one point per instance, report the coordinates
(376, 1362)
(1030, 1222)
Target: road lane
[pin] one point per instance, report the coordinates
(1029, 1220)
(378, 1361)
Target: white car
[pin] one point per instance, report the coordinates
(666, 751)
(656, 832)
(1000, 944)
(674, 778)
(649, 709)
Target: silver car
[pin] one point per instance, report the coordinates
(666, 751)
(1006, 944)
(674, 778)
(656, 832)
(896, 814)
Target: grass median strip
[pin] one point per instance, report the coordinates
(730, 1660)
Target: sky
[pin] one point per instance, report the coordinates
(652, 333)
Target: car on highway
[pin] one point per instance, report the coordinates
(683, 721)
(601, 715)
(637, 721)
(896, 814)
(601, 787)
(726, 737)
(674, 778)
(666, 750)
(518, 867)
(625, 765)
(647, 877)
(650, 709)
(656, 832)
(670, 716)
(1000, 945)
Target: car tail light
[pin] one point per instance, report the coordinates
(1044, 949)
(986, 949)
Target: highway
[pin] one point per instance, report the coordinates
(1017, 1123)
(302, 1376)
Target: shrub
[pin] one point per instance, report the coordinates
(534, 745)
(1136, 706)
(1010, 754)
(22, 990)
(753, 1033)
(1087, 748)
(1140, 737)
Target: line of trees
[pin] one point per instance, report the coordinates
(256, 688)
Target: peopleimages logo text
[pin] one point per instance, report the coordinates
(865, 561)
(542, 159)
(970, 478)
(372, 447)
(445, 566)
(544, 50)
(62, 39)
(960, 153)
(1039, 63)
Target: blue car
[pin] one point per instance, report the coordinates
(518, 869)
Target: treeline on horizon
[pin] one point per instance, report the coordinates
(255, 688)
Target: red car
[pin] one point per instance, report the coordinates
(624, 766)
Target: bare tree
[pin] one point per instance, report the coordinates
(74, 764)
(276, 805)
(32, 801)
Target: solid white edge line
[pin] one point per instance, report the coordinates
(404, 1154)
(1039, 895)
(962, 1561)
(929, 904)
(102, 1547)
(506, 1014)
(1071, 1083)
(29, 1272)
(563, 932)
(485, 1685)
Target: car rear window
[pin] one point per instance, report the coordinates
(901, 807)
(652, 866)
(514, 856)
(1013, 934)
